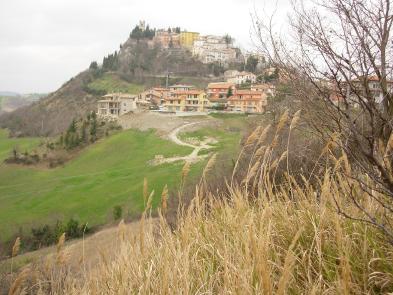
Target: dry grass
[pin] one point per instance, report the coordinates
(261, 238)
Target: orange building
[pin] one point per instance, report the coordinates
(247, 101)
(219, 90)
(167, 39)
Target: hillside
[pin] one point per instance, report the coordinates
(10, 101)
(89, 189)
(238, 239)
(135, 66)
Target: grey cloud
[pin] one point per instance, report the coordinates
(45, 42)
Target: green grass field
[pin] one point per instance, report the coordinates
(112, 83)
(87, 188)
(7, 144)
(104, 175)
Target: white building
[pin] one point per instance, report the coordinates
(180, 87)
(116, 104)
(210, 49)
(239, 78)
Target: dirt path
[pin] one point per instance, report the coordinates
(193, 157)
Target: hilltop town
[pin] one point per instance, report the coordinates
(148, 60)
(236, 90)
(208, 49)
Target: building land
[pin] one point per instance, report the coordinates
(218, 96)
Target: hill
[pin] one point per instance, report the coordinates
(250, 237)
(10, 101)
(9, 93)
(89, 189)
(137, 65)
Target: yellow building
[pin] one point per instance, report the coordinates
(187, 39)
(186, 101)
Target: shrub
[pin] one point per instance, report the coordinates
(117, 212)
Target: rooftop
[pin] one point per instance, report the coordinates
(185, 92)
(181, 86)
(220, 85)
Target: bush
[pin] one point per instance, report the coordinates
(47, 235)
(117, 212)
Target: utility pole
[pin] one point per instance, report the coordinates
(167, 79)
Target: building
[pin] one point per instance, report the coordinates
(142, 25)
(267, 88)
(374, 86)
(167, 39)
(186, 101)
(215, 49)
(116, 104)
(247, 101)
(242, 77)
(180, 87)
(153, 96)
(219, 90)
(187, 39)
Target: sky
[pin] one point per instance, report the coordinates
(43, 43)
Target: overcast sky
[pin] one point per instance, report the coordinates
(43, 43)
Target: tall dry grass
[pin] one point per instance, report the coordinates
(263, 237)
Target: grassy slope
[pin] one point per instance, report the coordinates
(112, 83)
(228, 134)
(110, 173)
(7, 144)
(106, 174)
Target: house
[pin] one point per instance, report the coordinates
(116, 104)
(186, 101)
(215, 49)
(218, 93)
(242, 77)
(153, 96)
(247, 101)
(180, 87)
(219, 90)
(267, 88)
(373, 84)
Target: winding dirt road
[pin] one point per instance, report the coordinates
(193, 157)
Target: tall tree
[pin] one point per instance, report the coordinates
(252, 63)
(340, 64)
(93, 65)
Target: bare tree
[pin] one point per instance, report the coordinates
(337, 57)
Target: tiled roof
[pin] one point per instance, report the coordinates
(248, 92)
(220, 85)
(185, 92)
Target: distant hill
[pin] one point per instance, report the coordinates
(9, 93)
(11, 101)
(137, 65)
